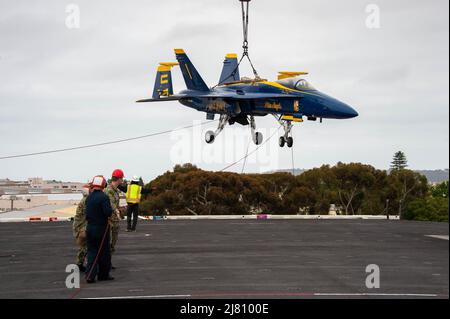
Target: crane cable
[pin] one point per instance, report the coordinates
(246, 155)
(104, 143)
(245, 13)
(252, 152)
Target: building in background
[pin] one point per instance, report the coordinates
(38, 185)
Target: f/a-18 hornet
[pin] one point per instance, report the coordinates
(236, 100)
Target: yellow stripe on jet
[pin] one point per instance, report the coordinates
(291, 118)
(166, 66)
(179, 51)
(231, 56)
(280, 86)
(286, 75)
(189, 72)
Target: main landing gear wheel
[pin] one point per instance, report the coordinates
(210, 137)
(290, 141)
(286, 139)
(258, 138)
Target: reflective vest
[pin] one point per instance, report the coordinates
(133, 194)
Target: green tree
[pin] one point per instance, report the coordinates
(353, 181)
(427, 209)
(406, 185)
(399, 161)
(440, 190)
(322, 182)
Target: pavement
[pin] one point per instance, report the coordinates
(236, 259)
(41, 211)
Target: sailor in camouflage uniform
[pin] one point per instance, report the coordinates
(79, 228)
(113, 192)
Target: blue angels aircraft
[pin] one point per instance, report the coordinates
(236, 100)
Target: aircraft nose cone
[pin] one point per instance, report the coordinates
(351, 112)
(346, 111)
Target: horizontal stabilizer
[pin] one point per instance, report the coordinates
(169, 98)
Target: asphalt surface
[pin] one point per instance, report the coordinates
(236, 259)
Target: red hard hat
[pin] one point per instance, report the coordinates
(98, 182)
(117, 173)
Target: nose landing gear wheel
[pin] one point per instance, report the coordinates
(209, 137)
(258, 138)
(290, 141)
(281, 141)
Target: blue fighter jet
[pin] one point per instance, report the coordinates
(240, 100)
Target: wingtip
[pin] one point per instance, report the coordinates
(231, 56)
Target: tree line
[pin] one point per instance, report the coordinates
(352, 188)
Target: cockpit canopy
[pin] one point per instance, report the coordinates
(296, 83)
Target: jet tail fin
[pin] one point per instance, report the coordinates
(230, 71)
(163, 82)
(190, 74)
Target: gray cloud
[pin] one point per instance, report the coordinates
(62, 87)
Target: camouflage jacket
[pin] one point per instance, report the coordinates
(79, 221)
(114, 197)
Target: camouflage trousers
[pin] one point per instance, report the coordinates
(81, 255)
(115, 228)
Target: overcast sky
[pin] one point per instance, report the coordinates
(63, 87)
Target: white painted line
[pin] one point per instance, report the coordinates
(443, 237)
(145, 297)
(267, 216)
(34, 219)
(237, 295)
(374, 294)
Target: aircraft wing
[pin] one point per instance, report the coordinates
(224, 95)
(246, 96)
(264, 96)
(169, 98)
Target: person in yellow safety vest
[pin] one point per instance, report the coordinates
(133, 196)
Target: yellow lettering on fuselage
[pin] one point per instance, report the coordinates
(274, 105)
(296, 106)
(216, 106)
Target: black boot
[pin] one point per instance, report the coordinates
(106, 278)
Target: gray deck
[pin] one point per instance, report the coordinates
(236, 259)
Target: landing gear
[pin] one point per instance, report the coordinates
(210, 136)
(256, 136)
(286, 139)
(289, 141)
